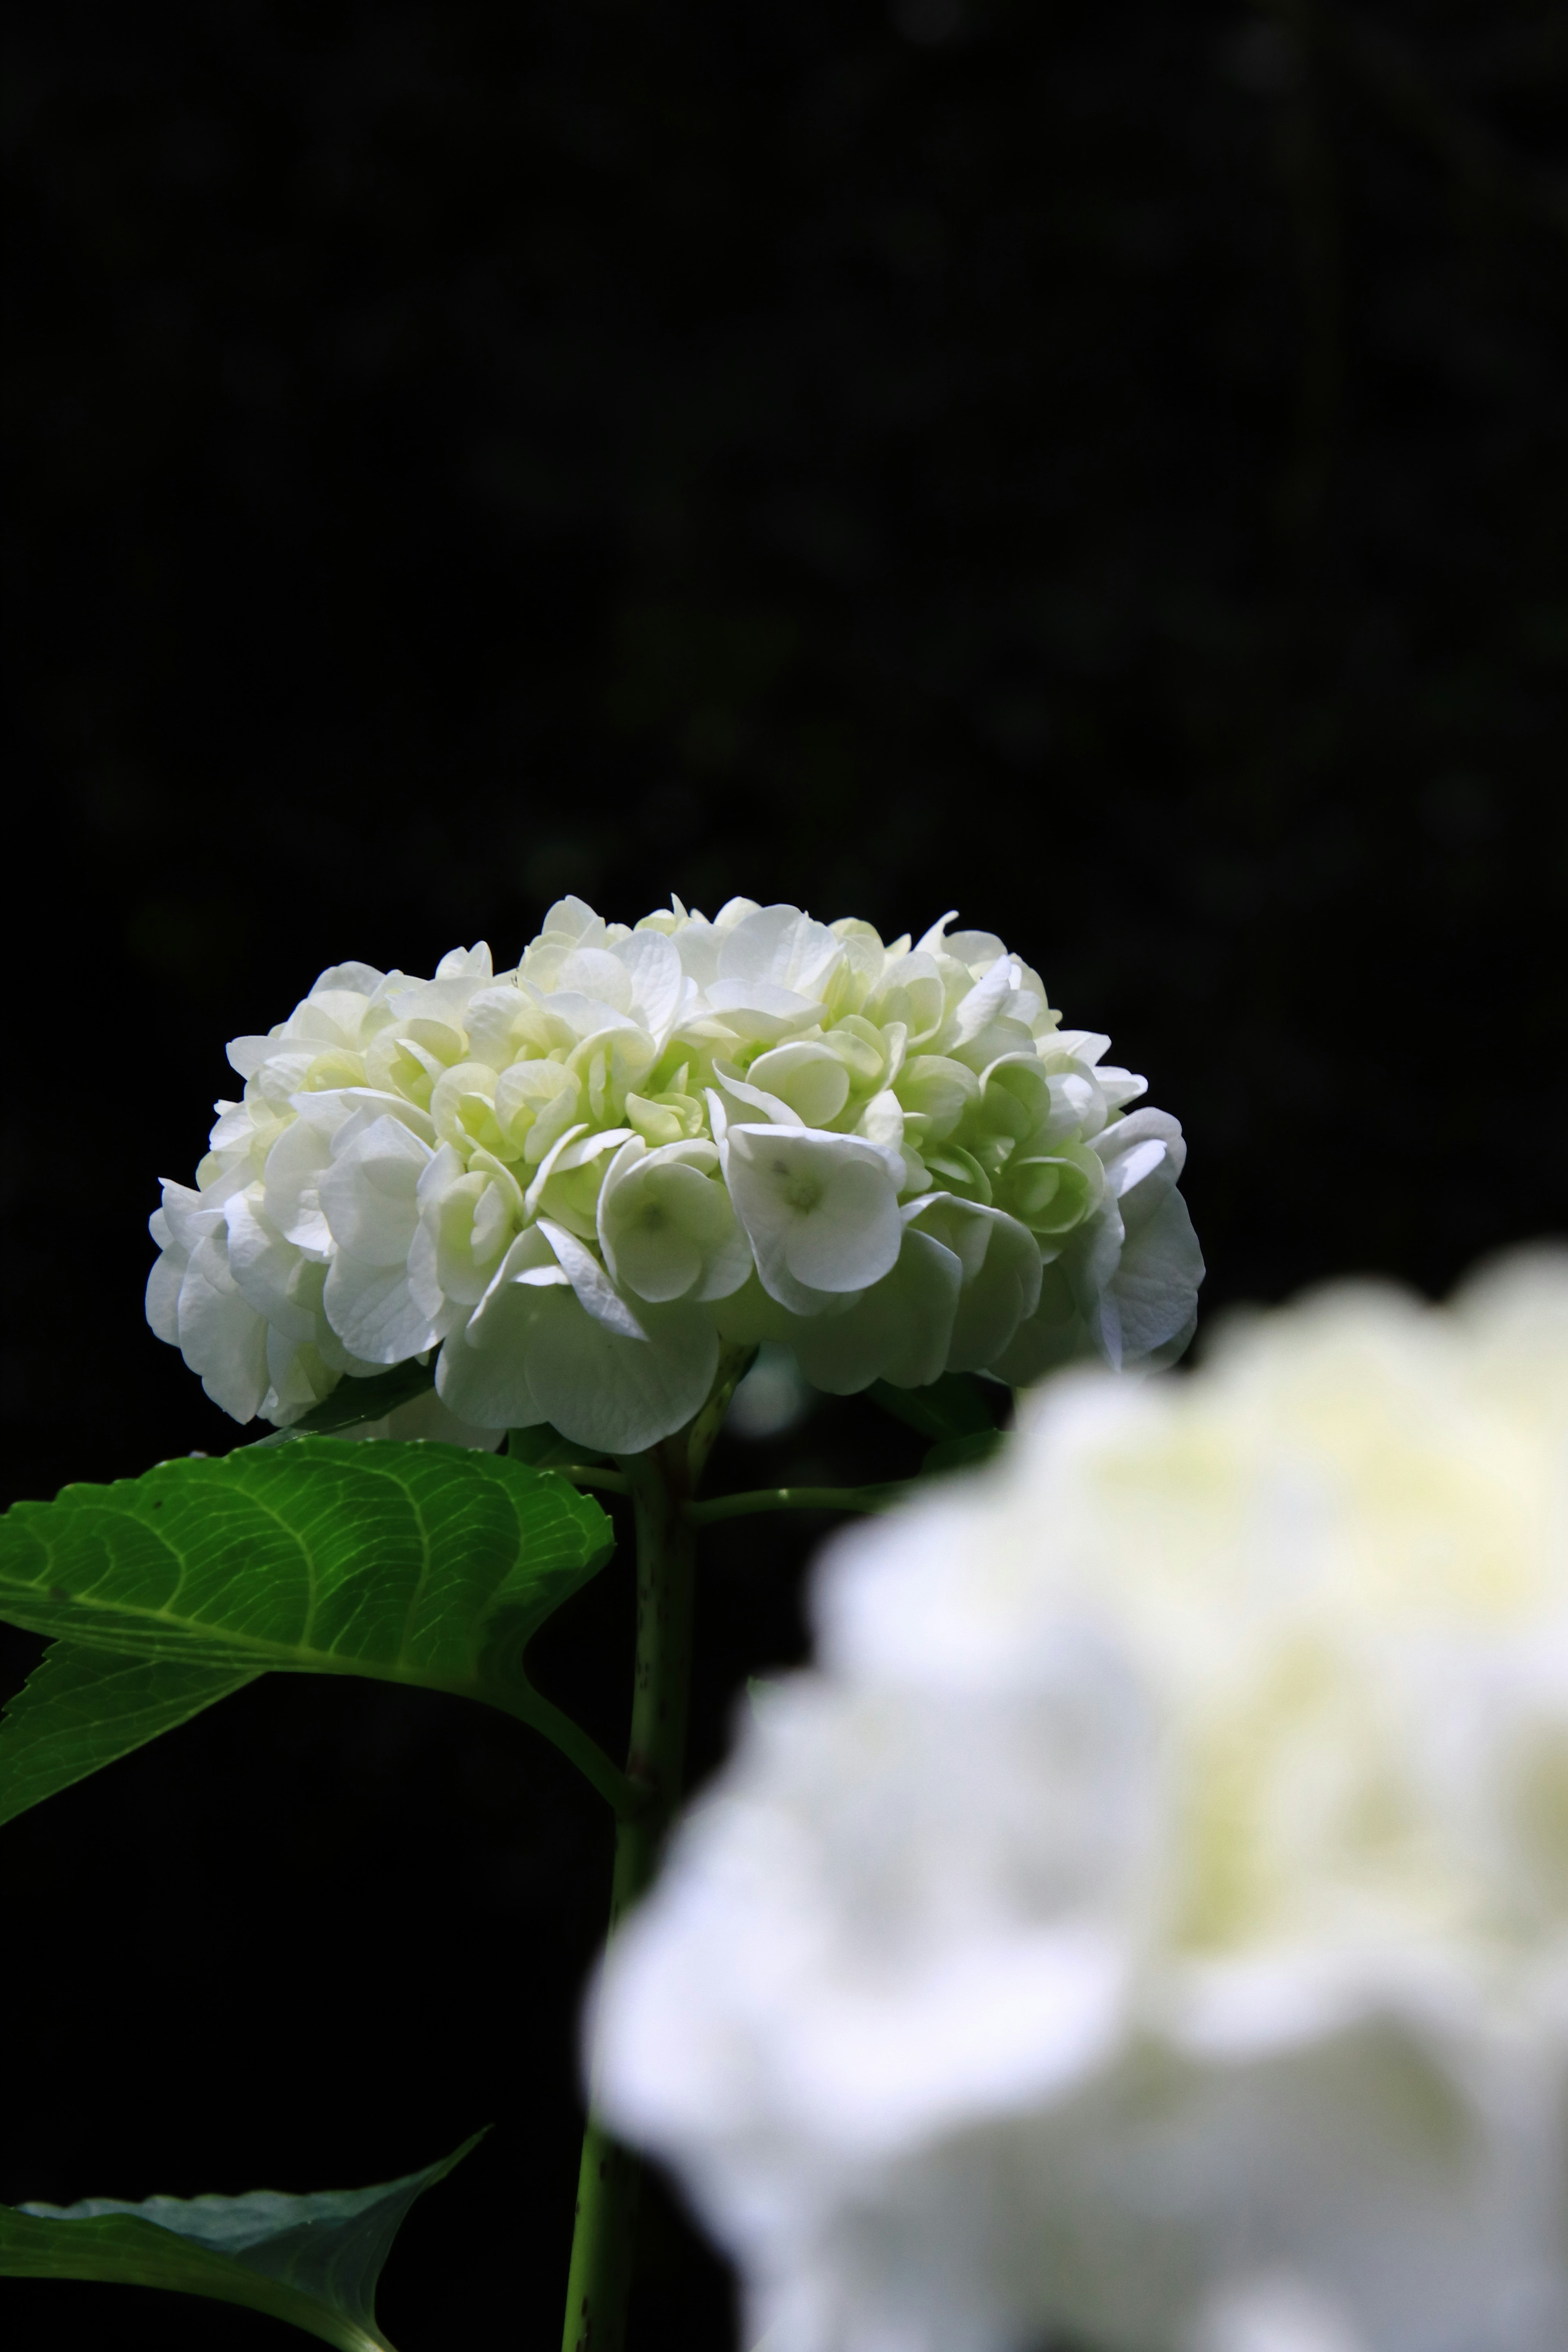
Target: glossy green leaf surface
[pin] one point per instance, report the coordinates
(80, 1708)
(313, 2260)
(416, 1563)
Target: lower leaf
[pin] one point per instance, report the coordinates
(81, 1708)
(313, 2261)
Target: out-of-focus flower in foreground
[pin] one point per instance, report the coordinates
(579, 1179)
(1147, 1926)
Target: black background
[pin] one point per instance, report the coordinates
(1100, 466)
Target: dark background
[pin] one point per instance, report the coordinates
(1098, 466)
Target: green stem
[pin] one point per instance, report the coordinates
(589, 1474)
(660, 1483)
(600, 2279)
(797, 1498)
(623, 1797)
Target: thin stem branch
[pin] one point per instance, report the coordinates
(797, 1498)
(589, 1474)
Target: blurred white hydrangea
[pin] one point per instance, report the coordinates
(579, 1179)
(1148, 1929)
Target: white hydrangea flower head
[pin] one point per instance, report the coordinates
(582, 1179)
(1147, 1926)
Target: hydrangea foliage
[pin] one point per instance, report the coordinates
(580, 1179)
(1148, 1926)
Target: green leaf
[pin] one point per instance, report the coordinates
(411, 1563)
(81, 1708)
(313, 2261)
(954, 1406)
(353, 1402)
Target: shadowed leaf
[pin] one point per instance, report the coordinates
(954, 1406)
(313, 2260)
(81, 1708)
(353, 1402)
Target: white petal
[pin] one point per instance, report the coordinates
(1127, 1139)
(262, 1263)
(572, 919)
(1155, 1286)
(820, 1211)
(1001, 1262)
(562, 1144)
(1130, 1167)
(334, 1107)
(809, 1078)
(592, 1285)
(221, 1335)
(189, 1217)
(646, 1245)
(1055, 1334)
(297, 1378)
(779, 947)
(657, 982)
(466, 963)
(774, 1108)
(596, 972)
(619, 1395)
(1120, 1086)
(369, 1195)
(975, 1012)
(246, 1055)
(163, 1294)
(295, 1166)
(755, 1008)
(582, 1016)
(667, 1225)
(359, 980)
(488, 1387)
(375, 1313)
(899, 1331)
(467, 1220)
(978, 950)
(748, 1315)
(933, 942)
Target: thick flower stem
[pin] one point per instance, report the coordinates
(600, 2280)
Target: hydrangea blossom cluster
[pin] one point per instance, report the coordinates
(580, 1179)
(1148, 1926)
